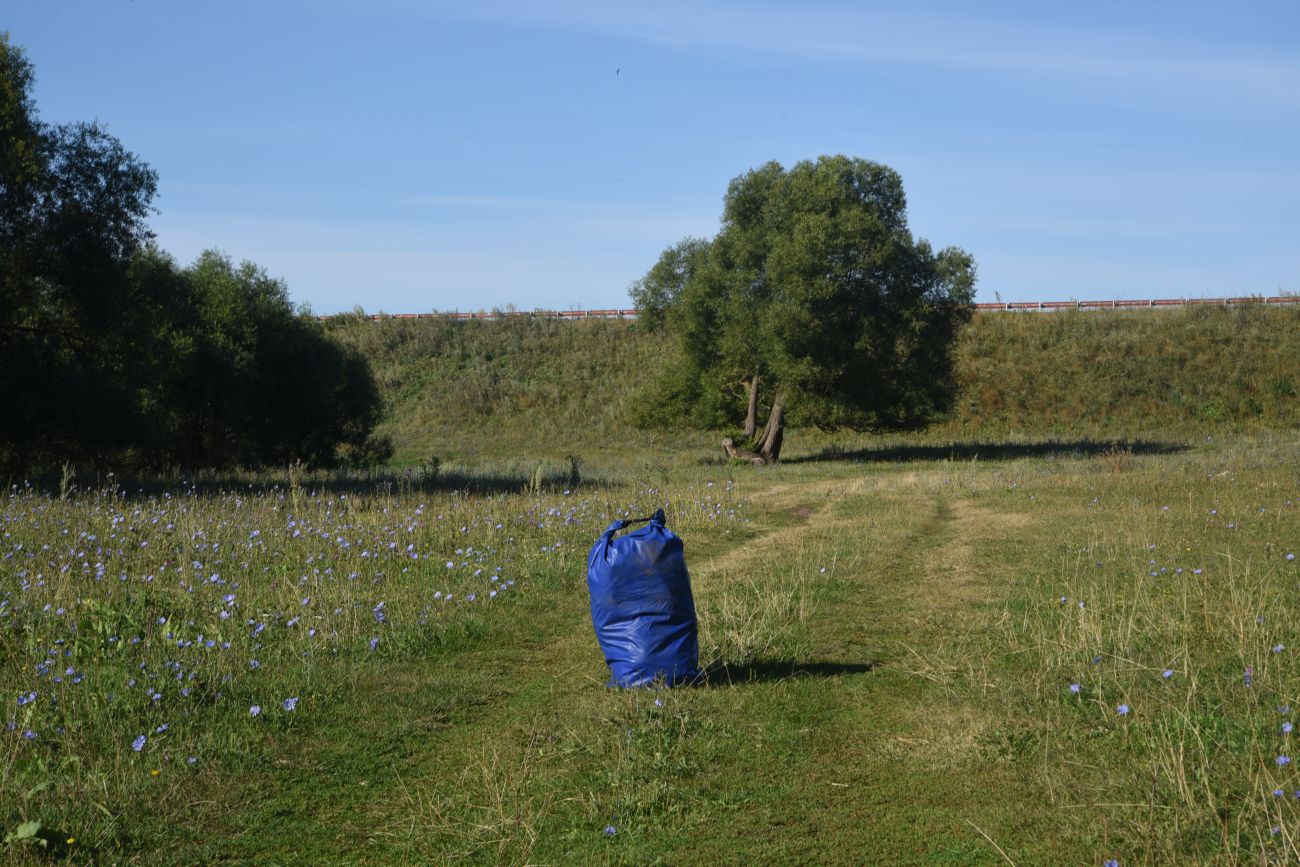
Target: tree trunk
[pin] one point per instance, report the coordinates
(729, 446)
(770, 443)
(751, 419)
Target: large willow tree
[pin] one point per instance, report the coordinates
(812, 302)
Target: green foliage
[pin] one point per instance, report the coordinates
(814, 285)
(25, 833)
(115, 357)
(263, 384)
(72, 208)
(658, 291)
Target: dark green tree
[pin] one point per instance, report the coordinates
(73, 205)
(814, 301)
(263, 383)
(110, 355)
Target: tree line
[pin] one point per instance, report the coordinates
(114, 356)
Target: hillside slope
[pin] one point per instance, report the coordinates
(532, 387)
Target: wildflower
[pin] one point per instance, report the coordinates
(29, 735)
(1167, 673)
(253, 663)
(1248, 677)
(610, 830)
(1074, 688)
(192, 760)
(155, 772)
(659, 702)
(255, 710)
(374, 642)
(162, 728)
(1277, 793)
(1122, 710)
(1283, 761)
(138, 743)
(1290, 557)
(1286, 728)
(290, 703)
(1110, 862)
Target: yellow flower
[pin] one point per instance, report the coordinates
(155, 772)
(71, 840)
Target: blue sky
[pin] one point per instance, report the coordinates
(411, 156)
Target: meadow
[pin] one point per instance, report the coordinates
(1027, 654)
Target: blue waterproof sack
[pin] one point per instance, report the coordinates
(641, 605)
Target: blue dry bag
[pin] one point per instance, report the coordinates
(641, 605)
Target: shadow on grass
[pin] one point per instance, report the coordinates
(378, 483)
(1049, 449)
(768, 670)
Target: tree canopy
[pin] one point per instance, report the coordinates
(813, 298)
(114, 356)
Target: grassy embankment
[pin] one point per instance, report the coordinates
(544, 389)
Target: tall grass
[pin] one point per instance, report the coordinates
(1124, 372)
(149, 643)
(524, 386)
(1166, 634)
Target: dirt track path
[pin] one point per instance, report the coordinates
(870, 738)
(898, 761)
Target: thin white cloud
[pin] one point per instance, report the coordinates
(874, 34)
(486, 202)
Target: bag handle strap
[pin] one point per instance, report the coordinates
(656, 518)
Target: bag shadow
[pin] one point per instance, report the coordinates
(770, 670)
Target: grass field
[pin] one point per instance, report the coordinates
(1029, 655)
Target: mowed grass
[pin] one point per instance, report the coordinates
(891, 649)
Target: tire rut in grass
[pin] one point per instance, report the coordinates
(901, 764)
(453, 790)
